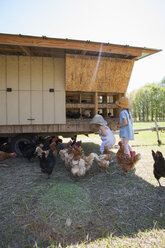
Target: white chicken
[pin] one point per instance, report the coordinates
(103, 160)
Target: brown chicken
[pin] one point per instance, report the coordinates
(127, 163)
(80, 163)
(6, 155)
(53, 148)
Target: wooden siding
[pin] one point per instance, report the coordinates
(97, 74)
(35, 90)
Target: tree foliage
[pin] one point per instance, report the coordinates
(148, 102)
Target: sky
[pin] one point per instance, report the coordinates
(139, 23)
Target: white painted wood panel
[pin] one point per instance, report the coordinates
(24, 107)
(2, 72)
(37, 107)
(24, 73)
(59, 64)
(48, 108)
(30, 79)
(60, 115)
(3, 108)
(36, 73)
(12, 108)
(48, 74)
(12, 72)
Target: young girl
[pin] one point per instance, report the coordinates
(126, 126)
(107, 137)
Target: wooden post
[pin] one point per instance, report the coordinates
(157, 131)
(96, 103)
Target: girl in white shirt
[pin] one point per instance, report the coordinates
(107, 137)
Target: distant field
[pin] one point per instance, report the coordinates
(148, 137)
(141, 125)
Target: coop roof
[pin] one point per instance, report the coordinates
(11, 44)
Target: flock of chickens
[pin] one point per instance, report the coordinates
(74, 158)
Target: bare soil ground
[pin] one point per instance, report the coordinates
(39, 212)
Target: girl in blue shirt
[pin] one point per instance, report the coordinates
(126, 126)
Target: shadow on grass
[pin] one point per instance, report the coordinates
(69, 210)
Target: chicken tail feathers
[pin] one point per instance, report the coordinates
(137, 157)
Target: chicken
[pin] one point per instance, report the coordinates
(127, 163)
(80, 163)
(27, 149)
(47, 159)
(159, 165)
(89, 160)
(77, 163)
(58, 142)
(66, 154)
(103, 160)
(39, 151)
(53, 148)
(74, 157)
(6, 155)
(86, 113)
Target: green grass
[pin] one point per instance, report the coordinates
(142, 125)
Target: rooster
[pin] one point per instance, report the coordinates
(103, 160)
(127, 163)
(159, 165)
(6, 155)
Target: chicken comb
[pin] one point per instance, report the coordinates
(157, 154)
(14, 154)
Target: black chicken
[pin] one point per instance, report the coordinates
(47, 159)
(45, 143)
(159, 165)
(27, 149)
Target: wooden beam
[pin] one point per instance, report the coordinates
(26, 50)
(7, 39)
(10, 50)
(83, 52)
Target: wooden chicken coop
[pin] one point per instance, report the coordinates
(55, 86)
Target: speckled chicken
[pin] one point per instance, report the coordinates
(127, 163)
